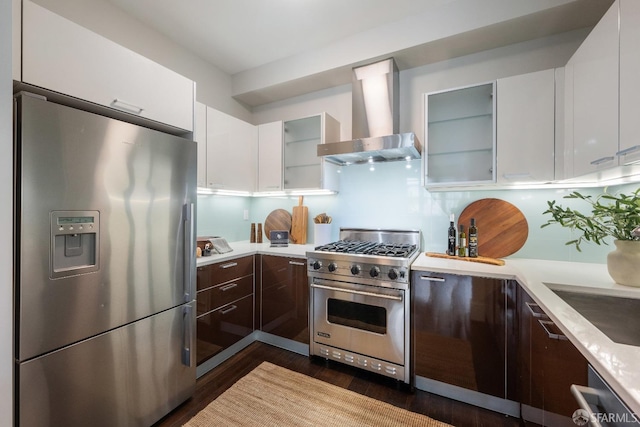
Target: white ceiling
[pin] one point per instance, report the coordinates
(237, 35)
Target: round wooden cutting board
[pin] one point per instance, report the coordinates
(502, 227)
(278, 219)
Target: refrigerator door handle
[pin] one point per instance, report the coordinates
(189, 257)
(187, 335)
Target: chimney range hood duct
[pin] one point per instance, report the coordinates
(375, 120)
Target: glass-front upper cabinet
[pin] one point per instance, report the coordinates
(460, 136)
(303, 169)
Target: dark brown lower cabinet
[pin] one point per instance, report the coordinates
(464, 332)
(225, 305)
(223, 327)
(548, 364)
(284, 297)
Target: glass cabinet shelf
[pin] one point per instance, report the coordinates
(303, 169)
(460, 137)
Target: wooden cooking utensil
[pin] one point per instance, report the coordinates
(299, 223)
(278, 219)
(502, 227)
(480, 259)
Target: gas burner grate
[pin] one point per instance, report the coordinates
(396, 250)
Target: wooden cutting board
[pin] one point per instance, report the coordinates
(278, 219)
(502, 227)
(299, 220)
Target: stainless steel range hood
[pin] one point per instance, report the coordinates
(375, 128)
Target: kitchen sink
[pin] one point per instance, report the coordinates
(616, 316)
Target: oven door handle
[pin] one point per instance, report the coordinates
(351, 291)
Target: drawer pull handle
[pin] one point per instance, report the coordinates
(432, 279)
(231, 264)
(536, 311)
(126, 106)
(602, 160)
(228, 309)
(587, 396)
(628, 150)
(229, 286)
(297, 263)
(550, 334)
(520, 175)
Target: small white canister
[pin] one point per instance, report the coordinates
(321, 234)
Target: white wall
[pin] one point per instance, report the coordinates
(213, 86)
(6, 217)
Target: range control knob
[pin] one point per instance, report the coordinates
(393, 274)
(374, 272)
(317, 265)
(355, 269)
(333, 267)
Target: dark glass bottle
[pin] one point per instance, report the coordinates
(451, 245)
(462, 242)
(473, 239)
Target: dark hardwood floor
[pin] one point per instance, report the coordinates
(214, 383)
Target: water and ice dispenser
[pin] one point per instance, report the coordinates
(75, 243)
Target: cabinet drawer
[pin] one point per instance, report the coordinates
(223, 327)
(219, 295)
(232, 269)
(203, 277)
(215, 274)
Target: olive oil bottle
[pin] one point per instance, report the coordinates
(462, 242)
(473, 239)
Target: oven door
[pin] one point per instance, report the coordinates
(364, 319)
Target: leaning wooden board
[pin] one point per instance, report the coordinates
(502, 227)
(299, 220)
(277, 220)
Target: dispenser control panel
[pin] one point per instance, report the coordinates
(75, 243)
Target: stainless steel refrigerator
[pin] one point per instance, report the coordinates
(105, 269)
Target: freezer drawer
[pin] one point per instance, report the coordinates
(131, 376)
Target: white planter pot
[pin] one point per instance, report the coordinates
(624, 262)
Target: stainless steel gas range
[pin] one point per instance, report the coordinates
(359, 299)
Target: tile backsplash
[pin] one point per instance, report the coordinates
(391, 196)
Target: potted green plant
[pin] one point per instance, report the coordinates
(614, 216)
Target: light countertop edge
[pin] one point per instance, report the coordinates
(241, 249)
(618, 364)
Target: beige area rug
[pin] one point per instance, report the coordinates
(274, 396)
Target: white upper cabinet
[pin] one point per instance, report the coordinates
(592, 107)
(460, 138)
(16, 29)
(270, 156)
(629, 149)
(525, 127)
(59, 55)
(231, 153)
(303, 169)
(200, 137)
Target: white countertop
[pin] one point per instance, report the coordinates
(245, 248)
(618, 364)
